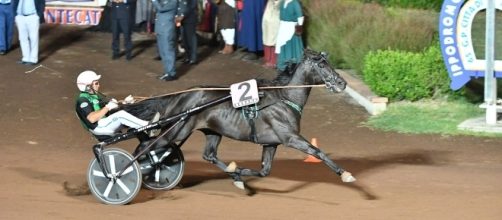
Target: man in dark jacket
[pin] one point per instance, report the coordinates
(121, 22)
(170, 13)
(189, 34)
(29, 14)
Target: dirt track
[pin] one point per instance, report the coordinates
(399, 176)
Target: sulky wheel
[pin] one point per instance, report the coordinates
(111, 189)
(162, 168)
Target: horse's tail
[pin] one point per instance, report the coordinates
(144, 109)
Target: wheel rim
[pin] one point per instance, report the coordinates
(167, 174)
(122, 189)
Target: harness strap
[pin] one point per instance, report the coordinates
(293, 105)
(250, 113)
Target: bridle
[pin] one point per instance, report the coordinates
(318, 64)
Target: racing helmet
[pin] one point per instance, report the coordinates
(86, 78)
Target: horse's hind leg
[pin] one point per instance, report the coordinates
(299, 143)
(211, 149)
(211, 154)
(267, 157)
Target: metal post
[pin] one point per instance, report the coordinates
(490, 81)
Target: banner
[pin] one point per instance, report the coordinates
(455, 27)
(74, 12)
(72, 15)
(76, 3)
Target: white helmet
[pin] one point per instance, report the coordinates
(86, 78)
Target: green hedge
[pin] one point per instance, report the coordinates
(401, 75)
(420, 4)
(348, 30)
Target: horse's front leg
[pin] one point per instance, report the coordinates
(299, 143)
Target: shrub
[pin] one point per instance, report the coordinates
(401, 75)
(350, 29)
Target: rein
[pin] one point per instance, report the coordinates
(141, 98)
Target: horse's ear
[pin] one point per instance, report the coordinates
(290, 68)
(324, 54)
(309, 52)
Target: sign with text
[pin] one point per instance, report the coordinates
(76, 3)
(73, 15)
(244, 93)
(455, 26)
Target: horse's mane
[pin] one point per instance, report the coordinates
(282, 78)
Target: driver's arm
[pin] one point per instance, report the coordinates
(96, 115)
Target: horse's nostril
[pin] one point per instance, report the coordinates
(341, 82)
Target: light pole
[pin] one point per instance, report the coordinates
(490, 80)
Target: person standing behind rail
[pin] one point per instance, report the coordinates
(270, 26)
(121, 22)
(6, 25)
(188, 32)
(226, 24)
(170, 14)
(29, 14)
(289, 45)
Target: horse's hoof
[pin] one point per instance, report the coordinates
(232, 166)
(347, 177)
(239, 184)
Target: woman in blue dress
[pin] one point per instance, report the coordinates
(250, 32)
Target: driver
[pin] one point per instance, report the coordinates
(95, 114)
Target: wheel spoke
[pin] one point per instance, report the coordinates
(112, 163)
(164, 155)
(154, 156)
(128, 170)
(108, 189)
(98, 173)
(157, 175)
(123, 186)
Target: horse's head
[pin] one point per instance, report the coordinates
(318, 62)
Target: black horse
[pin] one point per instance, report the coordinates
(274, 120)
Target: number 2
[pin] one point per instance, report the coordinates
(243, 96)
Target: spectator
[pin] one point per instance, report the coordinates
(207, 14)
(188, 32)
(143, 18)
(270, 26)
(250, 33)
(170, 13)
(121, 22)
(6, 25)
(29, 14)
(289, 45)
(226, 24)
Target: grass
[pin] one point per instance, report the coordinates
(428, 117)
(348, 30)
(442, 117)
